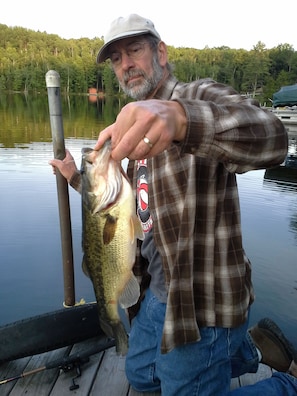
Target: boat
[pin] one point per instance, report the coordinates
(49, 331)
(286, 96)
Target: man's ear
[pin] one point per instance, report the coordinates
(162, 53)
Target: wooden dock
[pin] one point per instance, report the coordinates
(103, 374)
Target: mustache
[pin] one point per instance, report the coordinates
(133, 73)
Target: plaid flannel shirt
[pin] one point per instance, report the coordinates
(193, 199)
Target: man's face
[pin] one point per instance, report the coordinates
(136, 66)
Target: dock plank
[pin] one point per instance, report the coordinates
(234, 383)
(251, 378)
(111, 376)
(102, 374)
(82, 376)
(40, 383)
(9, 370)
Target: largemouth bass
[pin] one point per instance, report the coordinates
(110, 230)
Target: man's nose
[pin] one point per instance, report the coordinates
(127, 62)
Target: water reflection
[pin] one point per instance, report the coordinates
(25, 120)
(31, 279)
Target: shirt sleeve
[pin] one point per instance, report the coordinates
(225, 126)
(75, 181)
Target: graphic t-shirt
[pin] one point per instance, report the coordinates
(148, 248)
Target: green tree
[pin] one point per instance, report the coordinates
(26, 56)
(256, 69)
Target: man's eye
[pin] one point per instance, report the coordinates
(115, 57)
(135, 50)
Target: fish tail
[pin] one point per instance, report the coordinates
(121, 338)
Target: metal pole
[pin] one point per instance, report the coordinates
(55, 110)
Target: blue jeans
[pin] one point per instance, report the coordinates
(203, 368)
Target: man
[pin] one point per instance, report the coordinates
(186, 142)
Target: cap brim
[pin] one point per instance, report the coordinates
(103, 53)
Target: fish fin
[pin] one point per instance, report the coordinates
(107, 328)
(117, 331)
(109, 229)
(131, 293)
(84, 268)
(137, 229)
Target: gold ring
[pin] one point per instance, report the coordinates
(148, 142)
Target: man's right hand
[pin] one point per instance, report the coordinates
(66, 167)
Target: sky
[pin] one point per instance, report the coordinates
(187, 23)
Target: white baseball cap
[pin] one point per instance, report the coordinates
(132, 25)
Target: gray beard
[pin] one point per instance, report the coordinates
(142, 91)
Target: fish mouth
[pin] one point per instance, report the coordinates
(85, 151)
(90, 155)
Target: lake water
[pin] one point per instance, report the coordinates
(31, 280)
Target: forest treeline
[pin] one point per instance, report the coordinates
(27, 55)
